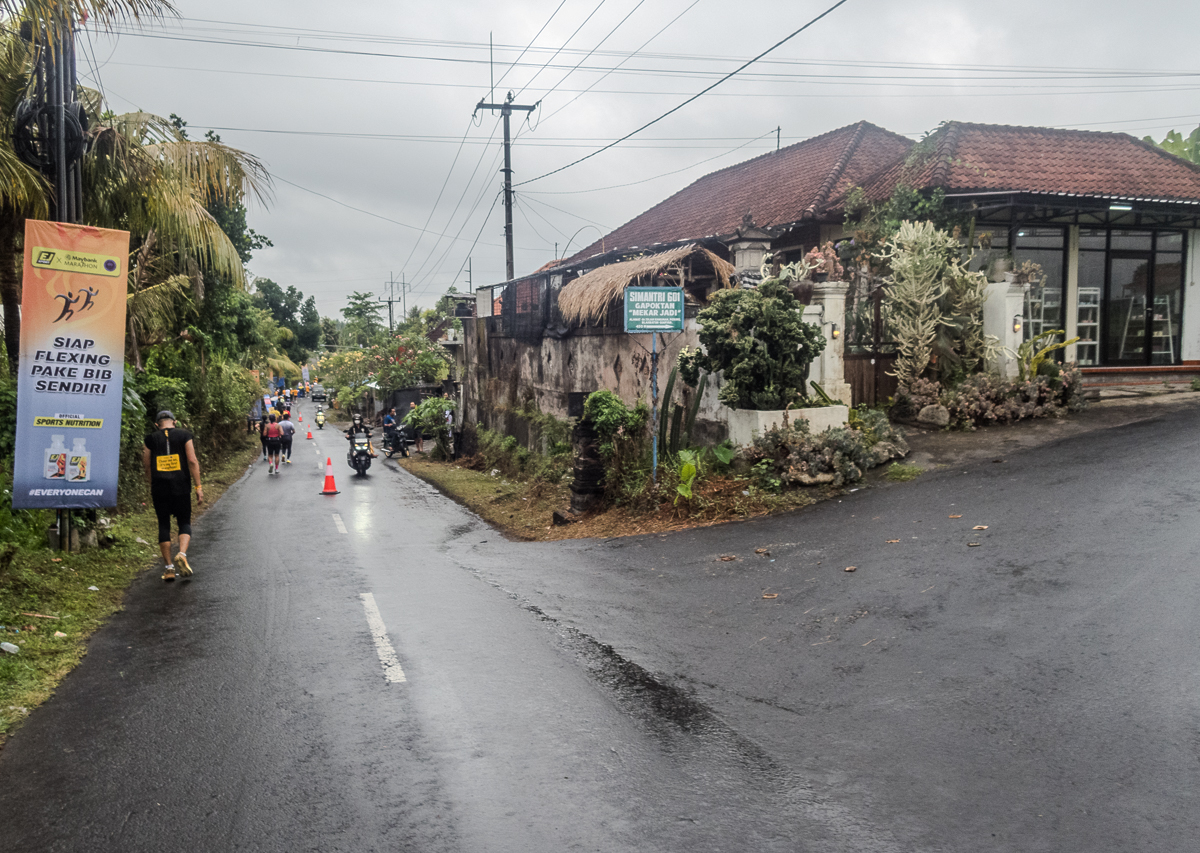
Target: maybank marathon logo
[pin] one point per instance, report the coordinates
(79, 262)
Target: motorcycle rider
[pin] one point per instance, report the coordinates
(389, 429)
(357, 427)
(320, 418)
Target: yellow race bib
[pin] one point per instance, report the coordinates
(170, 462)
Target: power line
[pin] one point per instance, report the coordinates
(458, 204)
(885, 64)
(528, 197)
(1028, 74)
(361, 210)
(747, 64)
(531, 41)
(623, 61)
(546, 64)
(528, 193)
(433, 208)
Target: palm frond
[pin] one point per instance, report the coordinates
(154, 310)
(49, 14)
(217, 171)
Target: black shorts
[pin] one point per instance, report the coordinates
(274, 445)
(167, 505)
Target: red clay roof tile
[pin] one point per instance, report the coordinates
(967, 157)
(779, 188)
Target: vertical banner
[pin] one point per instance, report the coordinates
(69, 389)
(304, 372)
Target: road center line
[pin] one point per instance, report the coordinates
(338, 523)
(387, 655)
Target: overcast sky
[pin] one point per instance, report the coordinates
(370, 104)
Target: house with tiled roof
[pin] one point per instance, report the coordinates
(782, 195)
(1113, 221)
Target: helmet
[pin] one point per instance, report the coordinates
(357, 418)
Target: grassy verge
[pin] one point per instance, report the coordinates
(898, 472)
(523, 510)
(56, 585)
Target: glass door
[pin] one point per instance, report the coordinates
(1128, 308)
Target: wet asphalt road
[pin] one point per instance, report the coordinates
(1036, 692)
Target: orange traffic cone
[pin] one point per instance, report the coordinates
(330, 488)
(302, 419)
(310, 433)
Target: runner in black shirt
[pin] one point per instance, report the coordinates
(171, 465)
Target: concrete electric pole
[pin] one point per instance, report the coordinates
(506, 110)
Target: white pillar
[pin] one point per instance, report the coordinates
(1190, 344)
(1071, 297)
(829, 367)
(1005, 300)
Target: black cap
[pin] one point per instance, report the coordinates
(163, 415)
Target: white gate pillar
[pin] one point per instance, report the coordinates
(829, 369)
(1003, 317)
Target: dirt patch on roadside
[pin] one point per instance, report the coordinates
(524, 510)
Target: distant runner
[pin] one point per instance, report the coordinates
(169, 458)
(289, 431)
(274, 434)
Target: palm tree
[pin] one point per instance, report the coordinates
(24, 193)
(144, 176)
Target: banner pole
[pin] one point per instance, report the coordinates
(654, 397)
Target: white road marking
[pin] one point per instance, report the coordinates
(338, 523)
(387, 655)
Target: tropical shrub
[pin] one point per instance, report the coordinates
(987, 399)
(936, 305)
(760, 342)
(429, 418)
(793, 456)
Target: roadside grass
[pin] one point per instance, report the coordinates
(523, 510)
(898, 472)
(55, 585)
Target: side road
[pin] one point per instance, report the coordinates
(1009, 662)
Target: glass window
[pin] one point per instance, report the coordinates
(1043, 299)
(1093, 238)
(1125, 340)
(1131, 240)
(1042, 238)
(1087, 311)
(995, 239)
(1170, 241)
(1167, 315)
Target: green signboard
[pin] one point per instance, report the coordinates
(653, 309)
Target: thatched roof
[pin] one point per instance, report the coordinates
(589, 296)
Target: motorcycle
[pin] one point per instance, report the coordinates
(359, 455)
(394, 442)
(320, 420)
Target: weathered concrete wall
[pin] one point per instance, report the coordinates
(502, 373)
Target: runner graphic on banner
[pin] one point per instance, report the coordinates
(69, 389)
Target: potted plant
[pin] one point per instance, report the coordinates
(824, 262)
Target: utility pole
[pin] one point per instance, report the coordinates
(391, 300)
(506, 110)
